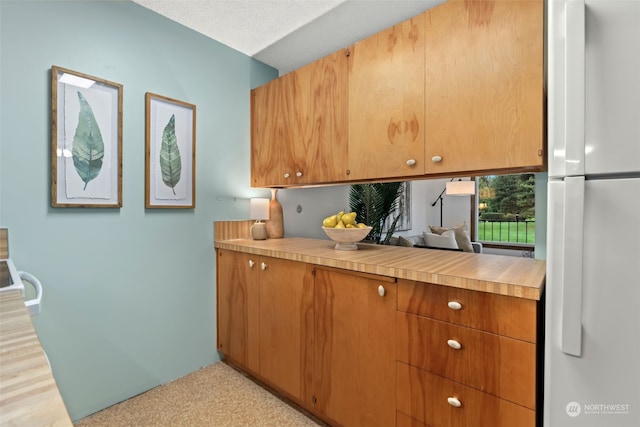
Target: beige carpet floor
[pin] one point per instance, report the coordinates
(216, 395)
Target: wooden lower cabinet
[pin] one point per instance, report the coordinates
(324, 338)
(286, 324)
(427, 400)
(359, 349)
(498, 314)
(238, 298)
(354, 375)
(265, 318)
(465, 358)
(502, 366)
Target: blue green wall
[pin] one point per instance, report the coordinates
(129, 293)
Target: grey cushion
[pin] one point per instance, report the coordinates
(403, 242)
(419, 240)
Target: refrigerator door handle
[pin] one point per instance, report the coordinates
(571, 340)
(575, 87)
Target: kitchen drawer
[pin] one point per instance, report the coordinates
(510, 316)
(423, 398)
(501, 366)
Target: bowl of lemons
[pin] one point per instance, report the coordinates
(343, 229)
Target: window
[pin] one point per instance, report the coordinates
(506, 209)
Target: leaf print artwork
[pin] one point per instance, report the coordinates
(170, 161)
(88, 147)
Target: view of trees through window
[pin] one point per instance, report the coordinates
(506, 208)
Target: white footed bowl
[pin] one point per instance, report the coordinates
(346, 238)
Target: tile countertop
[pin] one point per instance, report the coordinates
(28, 392)
(504, 275)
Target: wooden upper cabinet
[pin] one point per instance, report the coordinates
(484, 86)
(456, 90)
(268, 133)
(319, 116)
(299, 126)
(386, 103)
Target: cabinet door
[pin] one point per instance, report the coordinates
(269, 133)
(386, 103)
(355, 354)
(286, 325)
(237, 307)
(317, 112)
(484, 86)
(299, 125)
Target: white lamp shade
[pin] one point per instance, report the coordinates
(461, 188)
(259, 209)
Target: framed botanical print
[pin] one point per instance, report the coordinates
(170, 153)
(86, 140)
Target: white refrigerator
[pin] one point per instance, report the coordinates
(592, 297)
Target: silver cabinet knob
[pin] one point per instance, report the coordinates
(411, 162)
(251, 263)
(298, 174)
(381, 290)
(286, 175)
(263, 266)
(436, 159)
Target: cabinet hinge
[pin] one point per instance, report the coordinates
(347, 52)
(313, 271)
(540, 153)
(313, 399)
(348, 172)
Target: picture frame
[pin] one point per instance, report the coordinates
(403, 210)
(170, 129)
(86, 140)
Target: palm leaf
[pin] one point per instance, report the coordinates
(373, 204)
(170, 161)
(88, 148)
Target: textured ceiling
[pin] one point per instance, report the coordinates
(287, 34)
(245, 25)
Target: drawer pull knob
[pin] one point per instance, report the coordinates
(286, 175)
(454, 305)
(251, 263)
(436, 159)
(454, 402)
(411, 162)
(454, 344)
(298, 174)
(381, 290)
(263, 266)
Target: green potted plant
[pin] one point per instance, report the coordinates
(374, 203)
